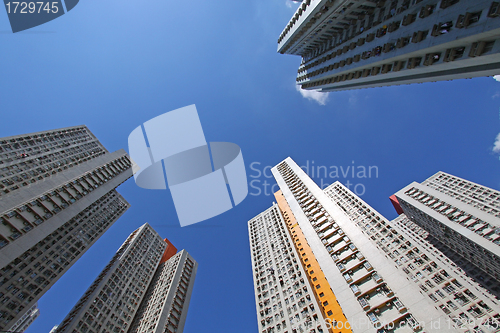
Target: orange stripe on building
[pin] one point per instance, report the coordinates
(332, 312)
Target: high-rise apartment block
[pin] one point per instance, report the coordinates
(379, 275)
(285, 299)
(26, 320)
(57, 197)
(146, 287)
(463, 219)
(350, 44)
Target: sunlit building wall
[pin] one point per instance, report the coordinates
(351, 44)
(374, 274)
(284, 299)
(463, 219)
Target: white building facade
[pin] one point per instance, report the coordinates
(284, 298)
(165, 306)
(467, 304)
(463, 218)
(352, 44)
(386, 275)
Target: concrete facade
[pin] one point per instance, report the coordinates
(450, 289)
(351, 44)
(57, 197)
(464, 220)
(285, 300)
(140, 290)
(26, 320)
(387, 276)
(165, 306)
(330, 309)
(372, 292)
(110, 303)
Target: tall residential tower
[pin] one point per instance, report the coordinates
(57, 197)
(379, 275)
(285, 299)
(463, 219)
(146, 287)
(351, 44)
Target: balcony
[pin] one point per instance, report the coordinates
(339, 245)
(378, 300)
(325, 226)
(452, 54)
(333, 239)
(322, 220)
(355, 289)
(319, 213)
(377, 277)
(368, 285)
(409, 19)
(352, 264)
(327, 234)
(389, 316)
(343, 254)
(364, 303)
(359, 274)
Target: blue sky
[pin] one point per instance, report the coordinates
(112, 65)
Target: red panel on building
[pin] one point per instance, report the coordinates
(170, 251)
(396, 204)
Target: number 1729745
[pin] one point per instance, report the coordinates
(32, 7)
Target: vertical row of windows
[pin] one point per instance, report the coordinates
(284, 302)
(364, 282)
(414, 260)
(175, 312)
(121, 286)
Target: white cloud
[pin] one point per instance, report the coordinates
(292, 4)
(496, 95)
(314, 95)
(496, 145)
(497, 77)
(353, 99)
